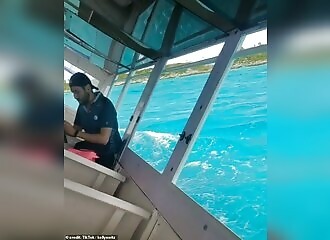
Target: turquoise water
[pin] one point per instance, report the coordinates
(226, 170)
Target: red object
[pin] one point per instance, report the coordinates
(85, 153)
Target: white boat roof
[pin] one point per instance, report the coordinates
(109, 33)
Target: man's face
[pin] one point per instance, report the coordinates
(81, 94)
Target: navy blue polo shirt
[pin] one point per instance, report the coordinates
(102, 114)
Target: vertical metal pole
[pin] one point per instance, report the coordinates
(125, 89)
(143, 102)
(145, 97)
(112, 83)
(104, 86)
(109, 87)
(202, 107)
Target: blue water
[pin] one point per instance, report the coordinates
(226, 170)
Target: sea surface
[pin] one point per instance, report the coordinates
(226, 170)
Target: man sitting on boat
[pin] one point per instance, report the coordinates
(95, 122)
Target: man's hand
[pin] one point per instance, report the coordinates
(100, 138)
(69, 129)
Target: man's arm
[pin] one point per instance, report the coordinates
(77, 122)
(101, 138)
(78, 128)
(107, 123)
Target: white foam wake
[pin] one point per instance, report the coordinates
(164, 139)
(158, 138)
(194, 164)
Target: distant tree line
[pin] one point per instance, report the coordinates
(250, 60)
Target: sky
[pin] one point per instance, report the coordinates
(251, 40)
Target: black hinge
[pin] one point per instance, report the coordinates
(188, 138)
(182, 135)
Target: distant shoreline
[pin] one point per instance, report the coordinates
(143, 75)
(174, 75)
(144, 80)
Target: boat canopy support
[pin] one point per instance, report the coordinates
(200, 112)
(131, 73)
(143, 102)
(153, 79)
(124, 90)
(150, 181)
(102, 21)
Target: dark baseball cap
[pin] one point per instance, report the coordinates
(80, 80)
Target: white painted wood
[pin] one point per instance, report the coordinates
(106, 90)
(91, 174)
(86, 215)
(93, 165)
(124, 89)
(82, 63)
(114, 221)
(105, 86)
(184, 215)
(162, 231)
(105, 198)
(150, 226)
(128, 226)
(69, 114)
(99, 181)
